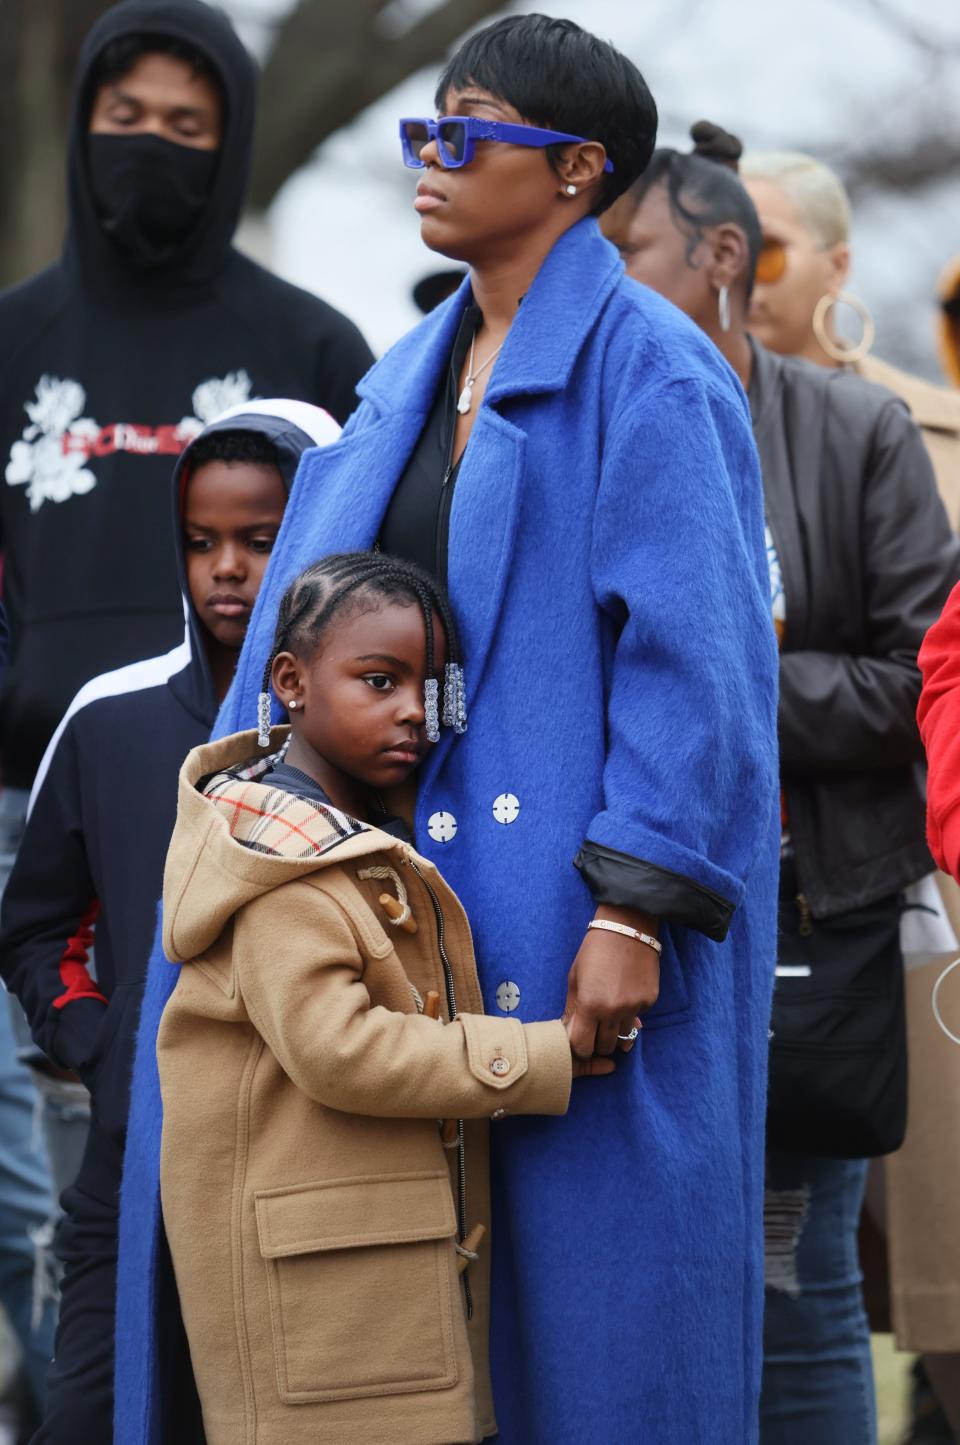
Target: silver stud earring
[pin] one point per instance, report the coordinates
(293, 704)
(570, 190)
(723, 307)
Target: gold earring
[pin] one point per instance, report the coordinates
(836, 350)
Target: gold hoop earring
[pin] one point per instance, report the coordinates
(836, 350)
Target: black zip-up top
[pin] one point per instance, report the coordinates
(108, 368)
(90, 867)
(868, 559)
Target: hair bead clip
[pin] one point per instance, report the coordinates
(263, 720)
(449, 695)
(431, 713)
(454, 703)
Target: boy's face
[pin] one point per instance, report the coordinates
(161, 95)
(231, 516)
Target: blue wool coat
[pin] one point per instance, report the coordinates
(608, 571)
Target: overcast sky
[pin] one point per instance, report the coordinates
(778, 73)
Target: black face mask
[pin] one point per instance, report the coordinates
(149, 193)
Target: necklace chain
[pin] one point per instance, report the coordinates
(465, 401)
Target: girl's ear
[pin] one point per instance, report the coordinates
(287, 677)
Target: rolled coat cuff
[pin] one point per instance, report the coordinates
(529, 1067)
(627, 882)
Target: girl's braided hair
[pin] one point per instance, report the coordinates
(313, 598)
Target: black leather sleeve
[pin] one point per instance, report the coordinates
(854, 707)
(626, 882)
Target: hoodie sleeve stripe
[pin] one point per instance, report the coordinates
(73, 963)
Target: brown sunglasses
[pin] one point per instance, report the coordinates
(771, 263)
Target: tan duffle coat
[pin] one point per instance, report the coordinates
(313, 1213)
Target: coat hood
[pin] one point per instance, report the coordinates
(208, 30)
(293, 427)
(237, 838)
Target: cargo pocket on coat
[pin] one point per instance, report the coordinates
(362, 1285)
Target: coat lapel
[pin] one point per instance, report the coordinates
(483, 526)
(557, 315)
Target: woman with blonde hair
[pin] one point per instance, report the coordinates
(802, 272)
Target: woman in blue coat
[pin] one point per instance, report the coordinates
(581, 467)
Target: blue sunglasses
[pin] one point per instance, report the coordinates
(457, 135)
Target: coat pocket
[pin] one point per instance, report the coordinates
(362, 1286)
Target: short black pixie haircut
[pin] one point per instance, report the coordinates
(234, 446)
(563, 78)
(119, 57)
(704, 189)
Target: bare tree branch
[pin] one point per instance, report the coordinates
(39, 40)
(330, 62)
(935, 158)
(892, 18)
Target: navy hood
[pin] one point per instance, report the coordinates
(203, 252)
(293, 427)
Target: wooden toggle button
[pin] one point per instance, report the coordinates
(472, 1242)
(393, 908)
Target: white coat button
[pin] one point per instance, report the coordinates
(499, 1066)
(508, 997)
(506, 808)
(442, 827)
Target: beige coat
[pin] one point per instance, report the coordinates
(308, 1200)
(936, 411)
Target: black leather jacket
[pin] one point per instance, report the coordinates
(868, 559)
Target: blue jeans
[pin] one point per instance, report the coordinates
(817, 1368)
(27, 1208)
(64, 1104)
(26, 1213)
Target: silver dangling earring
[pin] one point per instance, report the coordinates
(570, 190)
(723, 306)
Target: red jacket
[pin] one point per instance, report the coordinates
(939, 717)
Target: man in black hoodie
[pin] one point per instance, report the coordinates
(92, 858)
(114, 358)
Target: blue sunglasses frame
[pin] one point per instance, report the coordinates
(475, 128)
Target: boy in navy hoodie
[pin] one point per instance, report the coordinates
(91, 862)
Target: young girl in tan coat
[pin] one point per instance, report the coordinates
(327, 1226)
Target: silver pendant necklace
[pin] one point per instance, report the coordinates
(466, 396)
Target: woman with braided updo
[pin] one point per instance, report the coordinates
(571, 457)
(860, 561)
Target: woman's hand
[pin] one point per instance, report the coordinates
(614, 979)
(595, 1066)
